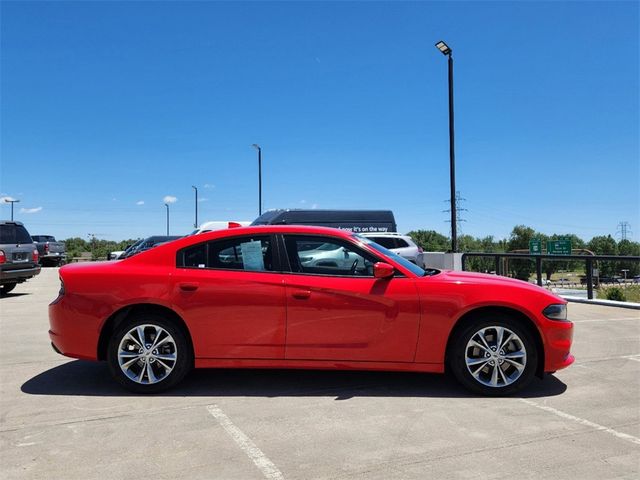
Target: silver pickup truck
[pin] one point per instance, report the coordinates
(51, 252)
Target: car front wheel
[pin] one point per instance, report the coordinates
(494, 355)
(149, 354)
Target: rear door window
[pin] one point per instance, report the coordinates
(239, 253)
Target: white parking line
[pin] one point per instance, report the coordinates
(266, 466)
(582, 421)
(620, 319)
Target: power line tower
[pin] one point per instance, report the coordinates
(459, 209)
(623, 230)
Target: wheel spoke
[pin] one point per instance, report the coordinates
(518, 366)
(473, 343)
(499, 336)
(519, 354)
(166, 367)
(140, 331)
(159, 332)
(129, 363)
(476, 361)
(169, 357)
(480, 335)
(494, 376)
(150, 374)
(128, 336)
(142, 371)
(506, 340)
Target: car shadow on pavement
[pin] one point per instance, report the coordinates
(93, 379)
(12, 294)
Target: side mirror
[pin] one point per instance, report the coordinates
(382, 270)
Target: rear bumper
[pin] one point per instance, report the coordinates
(73, 333)
(18, 275)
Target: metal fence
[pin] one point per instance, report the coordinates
(538, 258)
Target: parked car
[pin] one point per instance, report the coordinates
(147, 243)
(50, 250)
(403, 245)
(18, 256)
(244, 298)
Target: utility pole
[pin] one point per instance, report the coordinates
(623, 230)
(459, 209)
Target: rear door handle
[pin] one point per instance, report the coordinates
(188, 287)
(301, 294)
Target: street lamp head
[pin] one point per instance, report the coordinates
(194, 187)
(256, 146)
(443, 47)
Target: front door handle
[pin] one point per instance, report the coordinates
(188, 287)
(301, 294)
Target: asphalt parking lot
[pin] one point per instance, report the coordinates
(64, 418)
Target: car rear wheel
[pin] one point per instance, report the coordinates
(149, 354)
(4, 289)
(494, 355)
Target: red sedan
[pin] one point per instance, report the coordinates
(303, 297)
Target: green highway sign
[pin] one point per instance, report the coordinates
(535, 246)
(559, 247)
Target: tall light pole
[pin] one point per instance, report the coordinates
(257, 147)
(12, 201)
(444, 48)
(167, 205)
(195, 225)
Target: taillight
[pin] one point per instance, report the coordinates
(3, 257)
(46, 248)
(36, 255)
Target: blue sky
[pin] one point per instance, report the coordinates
(109, 104)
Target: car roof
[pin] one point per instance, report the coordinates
(10, 222)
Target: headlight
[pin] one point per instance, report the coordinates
(557, 311)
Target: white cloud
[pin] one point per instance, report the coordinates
(203, 200)
(303, 201)
(140, 202)
(208, 185)
(30, 210)
(170, 199)
(6, 199)
(314, 206)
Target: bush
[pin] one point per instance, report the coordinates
(615, 293)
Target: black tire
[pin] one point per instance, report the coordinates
(4, 289)
(181, 350)
(510, 378)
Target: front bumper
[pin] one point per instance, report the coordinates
(558, 338)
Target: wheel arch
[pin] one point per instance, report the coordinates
(473, 314)
(131, 311)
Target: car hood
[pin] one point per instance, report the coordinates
(472, 278)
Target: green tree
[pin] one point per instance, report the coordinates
(626, 248)
(605, 245)
(519, 240)
(431, 241)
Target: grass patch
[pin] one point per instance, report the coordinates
(625, 293)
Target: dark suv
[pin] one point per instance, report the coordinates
(18, 256)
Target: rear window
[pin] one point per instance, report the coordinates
(43, 238)
(14, 234)
(386, 242)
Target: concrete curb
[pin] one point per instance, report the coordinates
(606, 303)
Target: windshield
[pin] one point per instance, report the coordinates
(395, 257)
